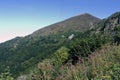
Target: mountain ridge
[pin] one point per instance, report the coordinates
(78, 23)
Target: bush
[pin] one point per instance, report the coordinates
(6, 75)
(85, 46)
(61, 55)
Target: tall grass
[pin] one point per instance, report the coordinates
(103, 64)
(99, 65)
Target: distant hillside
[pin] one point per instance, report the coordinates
(78, 23)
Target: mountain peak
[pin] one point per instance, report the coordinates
(79, 23)
(85, 14)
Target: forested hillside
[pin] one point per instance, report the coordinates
(69, 54)
(22, 53)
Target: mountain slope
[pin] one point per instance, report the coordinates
(78, 23)
(52, 43)
(95, 55)
(22, 53)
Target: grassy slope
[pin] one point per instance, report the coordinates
(78, 23)
(101, 64)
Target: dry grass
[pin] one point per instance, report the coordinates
(98, 66)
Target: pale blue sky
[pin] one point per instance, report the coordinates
(22, 17)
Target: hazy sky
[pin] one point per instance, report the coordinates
(22, 17)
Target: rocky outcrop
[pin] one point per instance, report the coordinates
(110, 24)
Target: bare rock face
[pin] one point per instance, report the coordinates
(111, 24)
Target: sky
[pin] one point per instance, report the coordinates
(22, 17)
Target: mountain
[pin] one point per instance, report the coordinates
(90, 55)
(22, 53)
(69, 42)
(78, 23)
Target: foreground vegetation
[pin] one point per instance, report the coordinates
(102, 64)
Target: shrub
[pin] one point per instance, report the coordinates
(61, 55)
(6, 75)
(85, 46)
